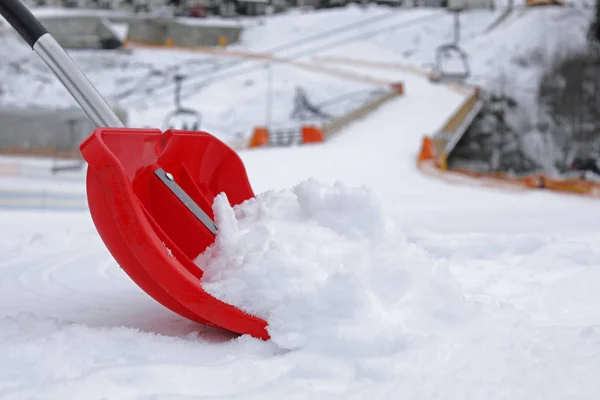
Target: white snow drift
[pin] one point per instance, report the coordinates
(318, 263)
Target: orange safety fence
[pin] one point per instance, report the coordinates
(262, 136)
(312, 134)
(427, 163)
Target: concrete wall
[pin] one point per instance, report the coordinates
(148, 31)
(92, 32)
(433, 3)
(199, 35)
(158, 31)
(77, 32)
(39, 131)
(470, 4)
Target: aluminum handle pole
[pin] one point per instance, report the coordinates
(57, 59)
(76, 82)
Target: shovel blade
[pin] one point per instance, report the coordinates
(148, 225)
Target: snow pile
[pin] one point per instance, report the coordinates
(327, 271)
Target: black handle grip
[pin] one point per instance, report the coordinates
(22, 20)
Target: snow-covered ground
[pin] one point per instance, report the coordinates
(432, 290)
(388, 284)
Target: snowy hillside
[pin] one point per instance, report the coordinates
(379, 282)
(231, 93)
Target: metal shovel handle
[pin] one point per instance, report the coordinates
(57, 59)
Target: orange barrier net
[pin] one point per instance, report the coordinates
(303, 135)
(428, 163)
(260, 137)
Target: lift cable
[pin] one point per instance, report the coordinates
(306, 52)
(279, 48)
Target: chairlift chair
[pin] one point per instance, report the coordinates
(180, 117)
(440, 73)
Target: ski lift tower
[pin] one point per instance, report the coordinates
(183, 118)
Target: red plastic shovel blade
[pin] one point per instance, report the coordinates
(149, 230)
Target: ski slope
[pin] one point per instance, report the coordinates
(430, 290)
(492, 294)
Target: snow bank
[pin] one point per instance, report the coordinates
(326, 270)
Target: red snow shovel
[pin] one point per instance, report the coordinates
(150, 193)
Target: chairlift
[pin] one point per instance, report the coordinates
(451, 50)
(182, 118)
(304, 109)
(441, 73)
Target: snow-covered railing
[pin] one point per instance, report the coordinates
(445, 140)
(435, 150)
(315, 133)
(334, 126)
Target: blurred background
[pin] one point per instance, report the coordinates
(228, 67)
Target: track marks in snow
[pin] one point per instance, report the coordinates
(69, 274)
(57, 267)
(94, 363)
(547, 278)
(58, 280)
